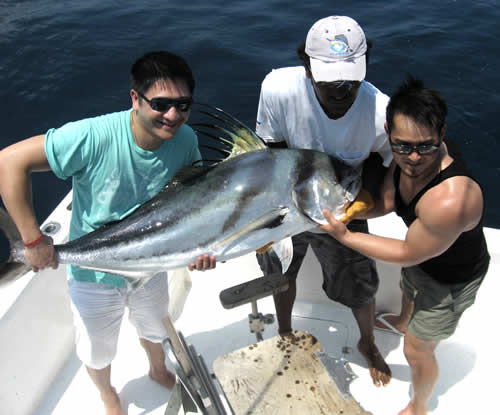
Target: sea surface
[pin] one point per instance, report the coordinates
(67, 60)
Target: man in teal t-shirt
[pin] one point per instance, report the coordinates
(117, 162)
(111, 174)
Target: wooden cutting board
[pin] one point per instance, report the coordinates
(281, 375)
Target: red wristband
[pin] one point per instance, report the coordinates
(35, 242)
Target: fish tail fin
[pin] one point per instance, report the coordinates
(233, 136)
(15, 266)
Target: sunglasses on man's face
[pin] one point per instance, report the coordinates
(407, 149)
(344, 86)
(162, 104)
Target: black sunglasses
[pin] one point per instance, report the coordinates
(421, 149)
(162, 104)
(345, 86)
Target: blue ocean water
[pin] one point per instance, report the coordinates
(63, 61)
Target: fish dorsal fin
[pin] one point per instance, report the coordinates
(232, 135)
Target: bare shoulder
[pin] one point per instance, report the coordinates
(456, 202)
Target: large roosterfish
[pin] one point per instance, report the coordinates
(253, 197)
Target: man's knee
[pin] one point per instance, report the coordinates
(97, 355)
(417, 350)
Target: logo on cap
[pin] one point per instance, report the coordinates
(339, 46)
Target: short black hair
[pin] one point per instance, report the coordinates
(423, 105)
(160, 66)
(304, 57)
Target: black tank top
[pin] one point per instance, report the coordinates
(467, 258)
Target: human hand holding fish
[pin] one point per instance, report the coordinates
(203, 263)
(42, 255)
(335, 228)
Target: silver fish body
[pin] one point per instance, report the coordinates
(228, 210)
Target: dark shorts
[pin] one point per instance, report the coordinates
(437, 307)
(348, 277)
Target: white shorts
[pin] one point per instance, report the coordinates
(98, 311)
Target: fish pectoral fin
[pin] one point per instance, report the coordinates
(270, 219)
(284, 250)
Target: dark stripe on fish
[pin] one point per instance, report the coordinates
(307, 167)
(264, 159)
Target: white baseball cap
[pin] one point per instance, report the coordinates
(336, 46)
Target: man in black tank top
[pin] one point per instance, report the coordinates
(444, 255)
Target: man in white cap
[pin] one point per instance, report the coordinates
(327, 105)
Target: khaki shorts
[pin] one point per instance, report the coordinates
(438, 307)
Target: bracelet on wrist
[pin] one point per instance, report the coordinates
(35, 242)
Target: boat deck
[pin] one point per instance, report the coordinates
(467, 361)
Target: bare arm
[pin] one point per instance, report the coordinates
(17, 162)
(442, 215)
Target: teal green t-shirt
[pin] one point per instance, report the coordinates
(111, 175)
